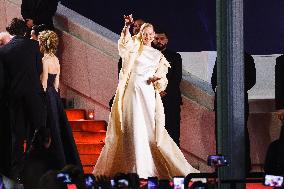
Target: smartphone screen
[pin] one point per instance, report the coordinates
(143, 182)
(112, 183)
(122, 183)
(216, 160)
(178, 182)
(273, 180)
(152, 183)
(64, 177)
(89, 180)
(1, 182)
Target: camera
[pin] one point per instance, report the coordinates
(153, 183)
(64, 177)
(89, 180)
(178, 182)
(217, 161)
(273, 180)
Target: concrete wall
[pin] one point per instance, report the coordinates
(88, 56)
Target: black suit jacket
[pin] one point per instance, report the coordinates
(40, 11)
(249, 81)
(5, 143)
(21, 61)
(174, 75)
(279, 82)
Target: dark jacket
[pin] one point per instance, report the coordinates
(279, 82)
(5, 142)
(249, 81)
(21, 61)
(174, 75)
(21, 99)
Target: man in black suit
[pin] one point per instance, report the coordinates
(279, 86)
(276, 154)
(22, 88)
(171, 97)
(5, 142)
(249, 82)
(36, 12)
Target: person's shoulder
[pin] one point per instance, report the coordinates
(32, 42)
(172, 53)
(280, 58)
(157, 51)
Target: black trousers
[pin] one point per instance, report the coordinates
(172, 117)
(27, 113)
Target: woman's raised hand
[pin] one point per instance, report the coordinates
(128, 20)
(152, 80)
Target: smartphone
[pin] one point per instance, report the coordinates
(217, 161)
(90, 180)
(152, 183)
(273, 180)
(143, 182)
(178, 182)
(1, 182)
(112, 183)
(64, 177)
(122, 183)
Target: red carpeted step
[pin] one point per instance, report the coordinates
(88, 125)
(257, 186)
(89, 159)
(88, 169)
(94, 148)
(75, 114)
(89, 137)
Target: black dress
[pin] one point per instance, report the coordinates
(63, 144)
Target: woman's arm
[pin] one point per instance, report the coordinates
(44, 75)
(161, 82)
(125, 42)
(56, 82)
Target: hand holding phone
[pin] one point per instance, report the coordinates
(64, 177)
(90, 180)
(217, 161)
(153, 183)
(273, 180)
(178, 182)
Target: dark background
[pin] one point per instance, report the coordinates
(191, 24)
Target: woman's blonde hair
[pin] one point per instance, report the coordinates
(145, 25)
(48, 41)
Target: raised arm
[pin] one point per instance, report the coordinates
(125, 42)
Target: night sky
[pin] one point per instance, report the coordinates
(191, 24)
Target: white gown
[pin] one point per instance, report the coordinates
(139, 143)
(136, 139)
(138, 113)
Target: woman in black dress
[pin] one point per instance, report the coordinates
(63, 144)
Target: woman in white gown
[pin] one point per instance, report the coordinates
(136, 139)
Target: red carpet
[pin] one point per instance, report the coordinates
(257, 186)
(89, 136)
